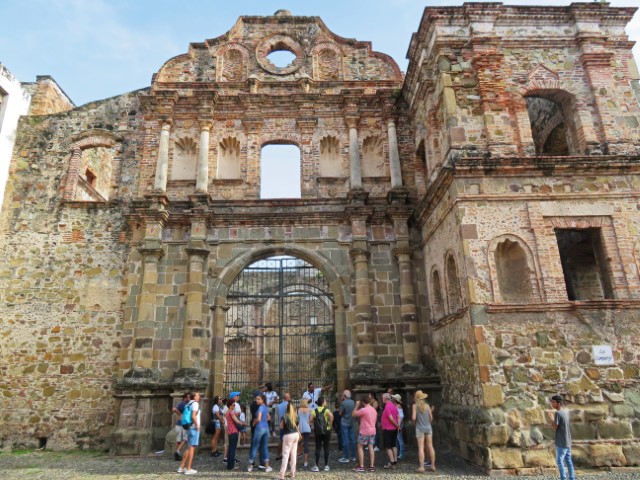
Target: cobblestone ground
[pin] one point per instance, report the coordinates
(96, 466)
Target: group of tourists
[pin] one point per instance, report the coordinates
(380, 426)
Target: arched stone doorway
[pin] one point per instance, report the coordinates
(280, 317)
(279, 327)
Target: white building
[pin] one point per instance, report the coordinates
(14, 102)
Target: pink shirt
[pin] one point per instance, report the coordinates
(368, 417)
(389, 410)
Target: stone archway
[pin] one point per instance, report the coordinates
(220, 304)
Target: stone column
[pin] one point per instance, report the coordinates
(354, 153)
(193, 333)
(72, 174)
(145, 323)
(394, 155)
(410, 334)
(162, 167)
(202, 176)
(363, 328)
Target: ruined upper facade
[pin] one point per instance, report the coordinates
(469, 229)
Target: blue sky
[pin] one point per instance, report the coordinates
(99, 48)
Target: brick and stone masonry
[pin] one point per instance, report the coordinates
(475, 220)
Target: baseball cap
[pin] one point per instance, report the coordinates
(234, 394)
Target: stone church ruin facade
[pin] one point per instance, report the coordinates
(469, 228)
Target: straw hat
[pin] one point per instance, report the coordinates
(397, 397)
(420, 395)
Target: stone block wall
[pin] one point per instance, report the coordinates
(61, 288)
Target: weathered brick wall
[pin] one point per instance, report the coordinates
(61, 287)
(47, 97)
(481, 70)
(501, 360)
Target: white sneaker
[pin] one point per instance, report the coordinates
(376, 449)
(190, 472)
(343, 460)
(315, 468)
(268, 469)
(180, 470)
(326, 468)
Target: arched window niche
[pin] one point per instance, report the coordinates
(454, 292)
(437, 300)
(552, 114)
(513, 271)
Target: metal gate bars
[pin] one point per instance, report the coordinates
(279, 328)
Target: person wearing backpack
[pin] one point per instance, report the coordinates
(181, 433)
(322, 420)
(191, 423)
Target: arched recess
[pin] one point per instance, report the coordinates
(437, 299)
(232, 62)
(228, 159)
(93, 164)
(219, 290)
(513, 270)
(452, 282)
(555, 120)
(373, 160)
(184, 164)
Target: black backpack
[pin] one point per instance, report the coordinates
(320, 424)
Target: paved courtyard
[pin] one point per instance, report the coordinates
(96, 466)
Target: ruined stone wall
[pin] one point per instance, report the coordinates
(61, 286)
(47, 97)
(482, 66)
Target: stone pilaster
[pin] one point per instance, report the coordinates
(202, 171)
(364, 329)
(162, 167)
(151, 251)
(193, 333)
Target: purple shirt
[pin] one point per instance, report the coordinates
(389, 410)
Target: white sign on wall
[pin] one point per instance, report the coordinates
(603, 355)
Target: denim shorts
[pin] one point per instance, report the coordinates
(193, 437)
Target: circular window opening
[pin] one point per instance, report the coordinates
(281, 58)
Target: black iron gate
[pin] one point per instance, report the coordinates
(279, 328)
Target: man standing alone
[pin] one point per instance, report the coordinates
(560, 422)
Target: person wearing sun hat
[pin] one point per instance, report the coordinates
(422, 418)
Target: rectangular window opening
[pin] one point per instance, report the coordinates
(280, 172)
(584, 264)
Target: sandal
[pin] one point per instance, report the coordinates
(371, 469)
(421, 470)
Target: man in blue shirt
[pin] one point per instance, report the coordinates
(181, 433)
(346, 424)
